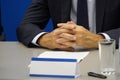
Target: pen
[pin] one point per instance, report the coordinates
(97, 75)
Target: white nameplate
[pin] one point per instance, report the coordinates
(59, 64)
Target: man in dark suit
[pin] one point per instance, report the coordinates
(67, 33)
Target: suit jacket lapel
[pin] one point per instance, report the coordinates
(65, 10)
(100, 9)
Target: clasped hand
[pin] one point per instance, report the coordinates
(69, 35)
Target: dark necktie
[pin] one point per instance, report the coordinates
(82, 13)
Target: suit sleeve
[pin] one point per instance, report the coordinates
(114, 34)
(33, 22)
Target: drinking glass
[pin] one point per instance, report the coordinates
(107, 56)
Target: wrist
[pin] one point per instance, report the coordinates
(46, 41)
(41, 40)
(100, 37)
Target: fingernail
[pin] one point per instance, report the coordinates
(58, 24)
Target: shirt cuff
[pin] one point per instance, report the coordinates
(105, 35)
(34, 41)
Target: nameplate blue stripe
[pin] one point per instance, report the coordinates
(54, 59)
(52, 76)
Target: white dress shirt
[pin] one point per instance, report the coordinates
(91, 18)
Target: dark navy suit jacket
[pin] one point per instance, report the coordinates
(39, 12)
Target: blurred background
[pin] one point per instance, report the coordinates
(12, 12)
